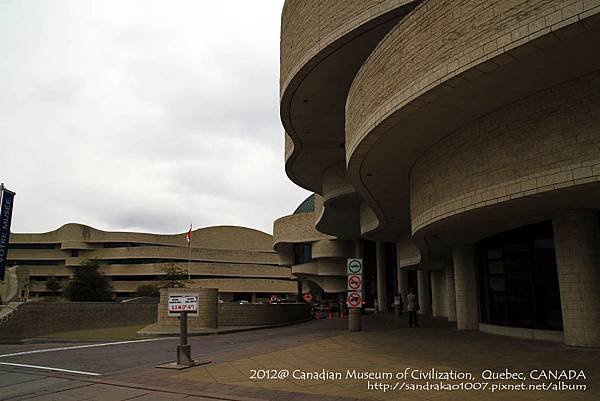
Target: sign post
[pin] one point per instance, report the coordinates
(354, 268)
(6, 207)
(182, 304)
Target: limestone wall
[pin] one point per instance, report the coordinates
(39, 318)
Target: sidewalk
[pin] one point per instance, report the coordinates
(385, 345)
(27, 386)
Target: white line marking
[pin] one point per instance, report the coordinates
(38, 351)
(20, 365)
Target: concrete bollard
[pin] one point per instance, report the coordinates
(355, 319)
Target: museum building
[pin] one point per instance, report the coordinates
(455, 145)
(238, 261)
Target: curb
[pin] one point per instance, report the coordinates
(223, 331)
(141, 335)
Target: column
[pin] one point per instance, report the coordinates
(402, 283)
(354, 314)
(450, 294)
(577, 244)
(359, 249)
(465, 287)
(423, 292)
(381, 277)
(438, 293)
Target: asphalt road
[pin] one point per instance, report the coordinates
(114, 357)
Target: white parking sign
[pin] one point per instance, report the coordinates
(183, 302)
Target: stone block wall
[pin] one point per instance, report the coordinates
(577, 242)
(546, 142)
(442, 40)
(39, 318)
(233, 314)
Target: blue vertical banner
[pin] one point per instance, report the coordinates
(6, 209)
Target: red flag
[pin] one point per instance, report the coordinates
(188, 236)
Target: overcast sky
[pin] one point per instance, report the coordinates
(142, 115)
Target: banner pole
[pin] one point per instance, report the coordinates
(190, 258)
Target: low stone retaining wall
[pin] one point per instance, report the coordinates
(38, 318)
(234, 314)
(212, 314)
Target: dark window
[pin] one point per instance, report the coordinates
(518, 281)
(33, 246)
(35, 262)
(302, 253)
(74, 253)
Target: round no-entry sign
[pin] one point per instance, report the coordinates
(354, 300)
(355, 282)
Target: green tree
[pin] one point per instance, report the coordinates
(174, 276)
(53, 285)
(148, 290)
(88, 284)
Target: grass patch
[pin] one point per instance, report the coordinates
(109, 333)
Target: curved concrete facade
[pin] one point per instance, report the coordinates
(323, 44)
(462, 121)
(397, 110)
(232, 259)
(324, 264)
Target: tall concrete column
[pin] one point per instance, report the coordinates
(577, 243)
(359, 249)
(450, 294)
(354, 314)
(423, 291)
(466, 287)
(402, 278)
(381, 277)
(438, 293)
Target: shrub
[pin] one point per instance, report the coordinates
(53, 285)
(88, 284)
(148, 290)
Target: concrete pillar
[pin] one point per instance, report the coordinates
(354, 320)
(355, 314)
(381, 278)
(402, 283)
(254, 300)
(577, 244)
(438, 293)
(359, 249)
(465, 287)
(450, 294)
(423, 290)
(208, 310)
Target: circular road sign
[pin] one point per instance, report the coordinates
(354, 300)
(354, 282)
(354, 266)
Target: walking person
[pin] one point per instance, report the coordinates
(412, 307)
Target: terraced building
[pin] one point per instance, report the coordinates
(465, 135)
(239, 261)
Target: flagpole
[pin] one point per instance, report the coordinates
(190, 256)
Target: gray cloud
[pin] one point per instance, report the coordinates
(147, 119)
